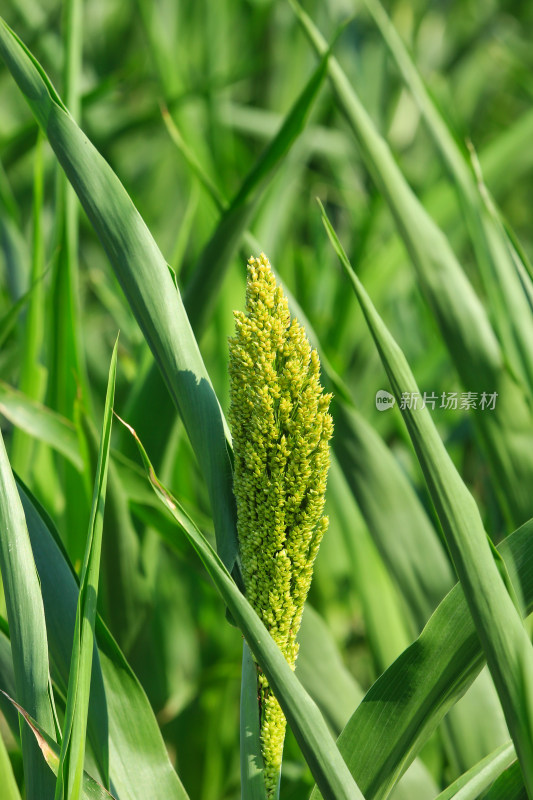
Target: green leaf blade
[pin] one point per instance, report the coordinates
(27, 625)
(404, 706)
(218, 252)
(7, 779)
(91, 789)
(120, 715)
(143, 274)
(70, 772)
(252, 768)
(469, 785)
(308, 725)
(507, 647)
(464, 325)
(512, 314)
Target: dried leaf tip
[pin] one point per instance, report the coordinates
(281, 428)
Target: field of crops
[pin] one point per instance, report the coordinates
(163, 460)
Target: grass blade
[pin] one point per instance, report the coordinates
(388, 629)
(509, 786)
(8, 320)
(123, 584)
(145, 279)
(308, 725)
(91, 789)
(32, 378)
(217, 254)
(472, 783)
(67, 368)
(120, 715)
(412, 552)
(512, 313)
(7, 680)
(252, 770)
(41, 423)
(70, 773)
(403, 707)
(507, 647)
(67, 371)
(322, 673)
(7, 779)
(27, 626)
(507, 434)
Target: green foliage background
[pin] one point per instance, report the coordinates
(184, 101)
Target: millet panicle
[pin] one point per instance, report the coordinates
(281, 428)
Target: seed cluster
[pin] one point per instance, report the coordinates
(281, 428)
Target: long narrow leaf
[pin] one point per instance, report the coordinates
(217, 254)
(400, 527)
(27, 626)
(66, 367)
(7, 680)
(388, 628)
(7, 779)
(252, 768)
(31, 381)
(509, 786)
(70, 773)
(321, 671)
(403, 707)
(512, 313)
(120, 715)
(91, 789)
(67, 371)
(472, 783)
(507, 647)
(308, 725)
(145, 279)
(507, 434)
(41, 423)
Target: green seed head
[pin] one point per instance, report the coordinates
(281, 428)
